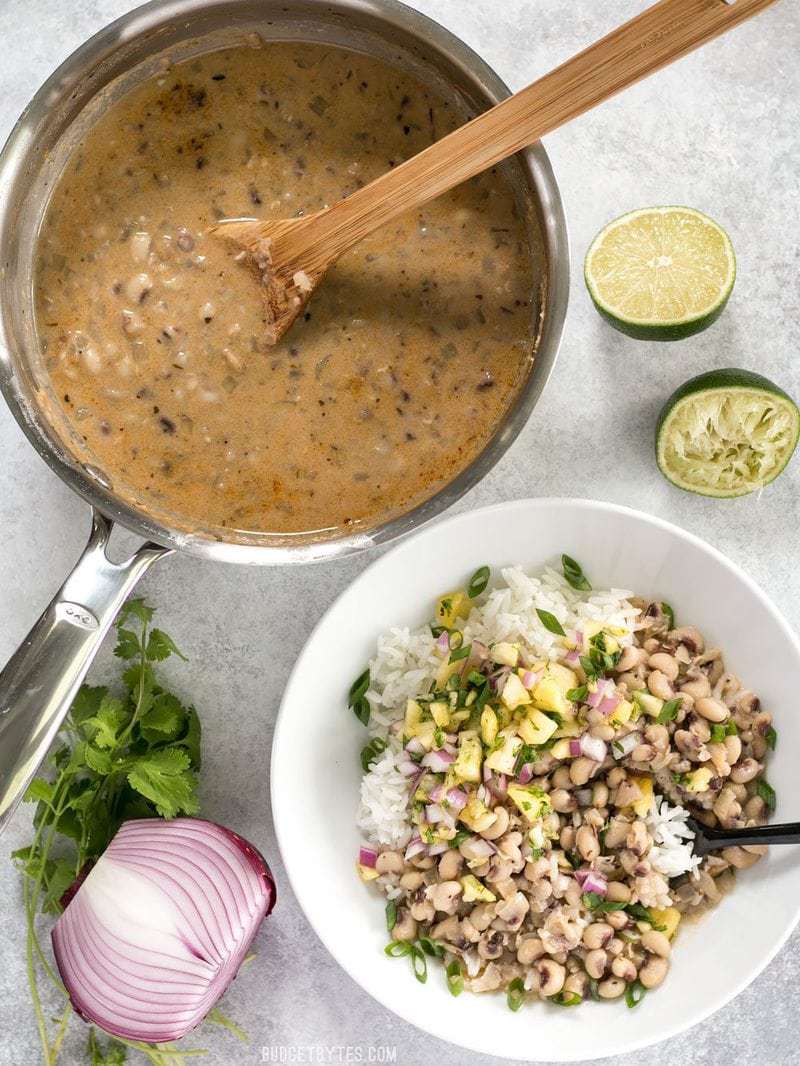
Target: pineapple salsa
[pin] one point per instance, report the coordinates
(534, 755)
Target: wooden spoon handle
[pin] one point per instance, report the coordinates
(652, 40)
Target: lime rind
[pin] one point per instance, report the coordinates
(676, 326)
(726, 433)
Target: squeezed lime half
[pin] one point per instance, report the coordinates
(726, 433)
(661, 273)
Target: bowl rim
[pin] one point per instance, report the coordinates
(716, 1002)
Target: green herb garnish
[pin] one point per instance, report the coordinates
(573, 572)
(642, 914)
(722, 730)
(767, 793)
(550, 622)
(515, 995)
(635, 993)
(599, 905)
(566, 999)
(771, 738)
(460, 653)
(669, 614)
(391, 915)
(455, 979)
(371, 751)
(459, 838)
(358, 688)
(478, 582)
(669, 711)
(576, 695)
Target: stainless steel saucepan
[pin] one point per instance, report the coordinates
(40, 681)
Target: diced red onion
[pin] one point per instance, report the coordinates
(609, 704)
(415, 746)
(482, 849)
(438, 761)
(433, 813)
(594, 699)
(529, 678)
(443, 642)
(438, 849)
(593, 747)
(457, 798)
(575, 747)
(160, 926)
(479, 650)
(416, 846)
(525, 773)
(497, 785)
(368, 857)
(591, 881)
(436, 794)
(406, 767)
(449, 748)
(498, 679)
(481, 793)
(572, 657)
(625, 745)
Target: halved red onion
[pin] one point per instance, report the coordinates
(525, 773)
(594, 699)
(160, 926)
(438, 761)
(457, 798)
(609, 704)
(595, 882)
(367, 857)
(593, 747)
(443, 642)
(575, 748)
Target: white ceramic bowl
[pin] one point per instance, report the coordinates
(316, 770)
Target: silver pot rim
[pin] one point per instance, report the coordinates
(82, 65)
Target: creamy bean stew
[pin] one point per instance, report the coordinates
(407, 357)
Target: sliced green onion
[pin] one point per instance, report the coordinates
(669, 711)
(391, 915)
(669, 614)
(574, 574)
(371, 752)
(771, 738)
(550, 622)
(455, 979)
(456, 639)
(460, 653)
(358, 688)
(767, 793)
(437, 631)
(478, 582)
(635, 993)
(419, 964)
(431, 947)
(476, 678)
(566, 999)
(515, 996)
(396, 949)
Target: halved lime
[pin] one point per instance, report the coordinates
(726, 433)
(661, 273)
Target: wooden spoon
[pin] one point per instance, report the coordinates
(291, 255)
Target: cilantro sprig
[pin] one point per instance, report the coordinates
(133, 752)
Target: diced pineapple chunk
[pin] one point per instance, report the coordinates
(440, 712)
(560, 750)
(548, 696)
(571, 728)
(451, 607)
(504, 654)
(477, 816)
(669, 917)
(698, 780)
(413, 717)
(489, 725)
(503, 758)
(425, 733)
(641, 807)
(531, 801)
(366, 873)
(565, 678)
(467, 766)
(514, 693)
(446, 671)
(622, 714)
(475, 891)
(536, 727)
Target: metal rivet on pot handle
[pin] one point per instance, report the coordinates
(41, 679)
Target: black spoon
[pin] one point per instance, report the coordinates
(706, 839)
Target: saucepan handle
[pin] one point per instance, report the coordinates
(41, 679)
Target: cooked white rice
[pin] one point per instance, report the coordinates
(407, 661)
(671, 853)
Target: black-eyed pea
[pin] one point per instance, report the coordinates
(450, 865)
(712, 709)
(551, 977)
(573, 894)
(656, 943)
(653, 971)
(597, 935)
(755, 808)
(617, 919)
(617, 832)
(603, 731)
(599, 794)
(596, 962)
(611, 988)
(581, 769)
(739, 858)
(587, 843)
(665, 663)
(745, 771)
(618, 892)
(560, 778)
(562, 801)
(698, 688)
(577, 983)
(499, 826)
(624, 968)
(733, 747)
(390, 862)
(567, 838)
(411, 880)
(405, 927)
(615, 776)
(530, 949)
(660, 685)
(631, 657)
(690, 637)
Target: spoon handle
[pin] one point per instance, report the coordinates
(715, 839)
(661, 34)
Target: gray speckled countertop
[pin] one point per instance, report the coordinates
(719, 131)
